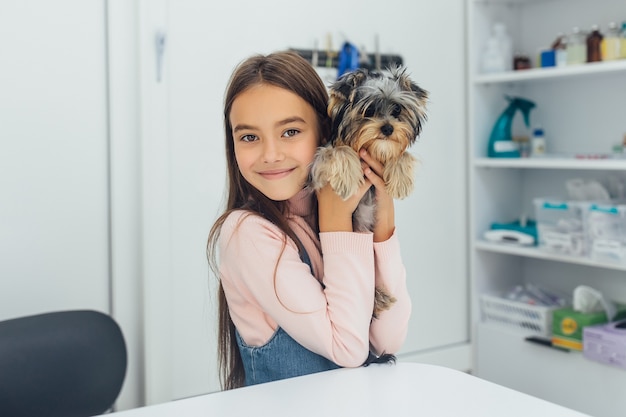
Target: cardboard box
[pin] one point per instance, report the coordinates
(606, 343)
(568, 325)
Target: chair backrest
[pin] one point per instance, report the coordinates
(67, 363)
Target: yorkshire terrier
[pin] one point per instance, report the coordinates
(383, 113)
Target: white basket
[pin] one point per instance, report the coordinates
(514, 314)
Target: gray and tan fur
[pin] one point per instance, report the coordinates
(383, 113)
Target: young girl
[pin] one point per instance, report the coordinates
(296, 290)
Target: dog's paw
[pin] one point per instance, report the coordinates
(398, 176)
(341, 167)
(382, 301)
(399, 188)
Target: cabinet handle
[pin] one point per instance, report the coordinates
(159, 40)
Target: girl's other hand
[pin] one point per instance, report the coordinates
(385, 213)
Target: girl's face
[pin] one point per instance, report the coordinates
(275, 135)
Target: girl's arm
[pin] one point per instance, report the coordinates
(265, 283)
(388, 331)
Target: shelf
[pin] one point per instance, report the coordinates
(582, 70)
(510, 1)
(533, 252)
(552, 163)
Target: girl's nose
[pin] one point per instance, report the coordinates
(272, 151)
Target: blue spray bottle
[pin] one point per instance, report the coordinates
(501, 143)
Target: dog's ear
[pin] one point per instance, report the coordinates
(346, 84)
(342, 92)
(421, 94)
(344, 88)
(404, 81)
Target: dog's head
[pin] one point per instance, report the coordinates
(381, 112)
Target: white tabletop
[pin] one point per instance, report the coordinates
(405, 389)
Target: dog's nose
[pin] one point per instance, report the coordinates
(387, 129)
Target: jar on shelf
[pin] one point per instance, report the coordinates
(594, 40)
(576, 47)
(521, 62)
(538, 142)
(611, 44)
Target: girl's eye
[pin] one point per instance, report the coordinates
(395, 112)
(248, 138)
(290, 133)
(369, 112)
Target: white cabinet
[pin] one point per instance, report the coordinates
(54, 218)
(583, 111)
(68, 168)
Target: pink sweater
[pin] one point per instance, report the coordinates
(266, 289)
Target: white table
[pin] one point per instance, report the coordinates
(405, 389)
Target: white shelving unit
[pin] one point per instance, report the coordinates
(583, 111)
(537, 74)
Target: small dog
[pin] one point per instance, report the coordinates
(382, 112)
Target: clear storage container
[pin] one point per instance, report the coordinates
(561, 226)
(606, 231)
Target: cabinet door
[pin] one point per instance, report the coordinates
(180, 296)
(53, 158)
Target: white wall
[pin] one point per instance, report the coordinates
(54, 244)
(205, 41)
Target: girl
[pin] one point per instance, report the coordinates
(297, 284)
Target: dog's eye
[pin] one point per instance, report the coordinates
(369, 112)
(395, 112)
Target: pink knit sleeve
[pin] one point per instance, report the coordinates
(332, 320)
(388, 332)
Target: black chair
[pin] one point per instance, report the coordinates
(65, 364)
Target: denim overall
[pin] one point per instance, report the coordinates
(281, 357)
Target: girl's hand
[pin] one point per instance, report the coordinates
(385, 213)
(335, 214)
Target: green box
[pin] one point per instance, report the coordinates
(567, 325)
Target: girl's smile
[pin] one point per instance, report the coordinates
(275, 137)
(276, 174)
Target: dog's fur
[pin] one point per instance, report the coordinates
(382, 112)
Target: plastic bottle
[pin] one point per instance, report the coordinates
(498, 53)
(623, 40)
(560, 50)
(594, 40)
(576, 47)
(506, 44)
(501, 144)
(611, 44)
(538, 142)
(493, 59)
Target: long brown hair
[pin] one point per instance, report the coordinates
(285, 70)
